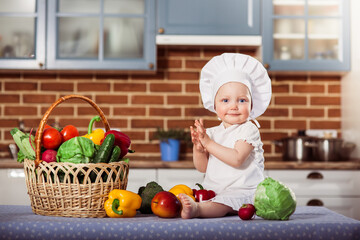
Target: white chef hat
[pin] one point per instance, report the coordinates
(236, 67)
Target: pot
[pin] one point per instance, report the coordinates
(296, 148)
(331, 149)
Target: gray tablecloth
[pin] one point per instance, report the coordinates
(19, 222)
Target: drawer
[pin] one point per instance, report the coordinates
(346, 206)
(140, 177)
(319, 182)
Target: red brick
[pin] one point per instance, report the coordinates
(284, 77)
(192, 87)
(88, 110)
(325, 124)
(290, 124)
(20, 111)
(334, 88)
(120, 123)
(325, 78)
(6, 123)
(147, 99)
(265, 124)
(136, 135)
(272, 136)
(290, 100)
(304, 112)
(20, 86)
(325, 100)
(183, 52)
(129, 111)
(308, 88)
(93, 87)
(158, 75)
(183, 75)
(59, 111)
(168, 63)
(198, 112)
(195, 64)
(111, 76)
(276, 112)
(283, 88)
(334, 112)
(111, 99)
(145, 148)
(130, 87)
(180, 123)
(38, 98)
(165, 111)
(39, 75)
(76, 75)
(8, 75)
(165, 87)
(9, 98)
(183, 100)
(57, 86)
(147, 123)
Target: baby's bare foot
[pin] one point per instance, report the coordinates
(189, 207)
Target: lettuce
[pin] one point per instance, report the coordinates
(76, 150)
(274, 200)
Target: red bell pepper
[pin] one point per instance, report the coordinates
(122, 140)
(203, 194)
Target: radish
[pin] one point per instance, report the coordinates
(49, 155)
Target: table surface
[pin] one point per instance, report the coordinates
(19, 222)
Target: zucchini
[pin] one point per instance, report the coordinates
(106, 148)
(115, 154)
(26, 146)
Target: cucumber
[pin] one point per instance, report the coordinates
(106, 148)
(115, 154)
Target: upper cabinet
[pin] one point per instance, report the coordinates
(306, 35)
(79, 34)
(208, 17)
(22, 34)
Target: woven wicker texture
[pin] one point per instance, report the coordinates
(71, 190)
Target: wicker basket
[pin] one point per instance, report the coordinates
(71, 190)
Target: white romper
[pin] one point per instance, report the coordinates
(235, 186)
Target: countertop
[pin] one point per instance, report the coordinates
(353, 164)
(19, 222)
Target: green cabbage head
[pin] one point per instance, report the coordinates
(274, 200)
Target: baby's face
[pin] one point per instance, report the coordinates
(233, 103)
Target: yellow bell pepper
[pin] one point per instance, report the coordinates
(98, 134)
(181, 188)
(122, 204)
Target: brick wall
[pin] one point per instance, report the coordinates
(137, 103)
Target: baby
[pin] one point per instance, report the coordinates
(238, 89)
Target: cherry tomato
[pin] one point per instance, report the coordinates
(51, 138)
(69, 132)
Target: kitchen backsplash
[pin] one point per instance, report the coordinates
(137, 103)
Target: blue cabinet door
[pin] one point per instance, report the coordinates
(306, 35)
(101, 35)
(208, 17)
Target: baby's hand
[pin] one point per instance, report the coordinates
(195, 140)
(201, 132)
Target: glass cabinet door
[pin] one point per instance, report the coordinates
(22, 36)
(306, 34)
(101, 34)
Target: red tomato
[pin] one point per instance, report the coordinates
(46, 126)
(69, 132)
(51, 138)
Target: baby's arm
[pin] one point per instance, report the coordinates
(231, 156)
(200, 155)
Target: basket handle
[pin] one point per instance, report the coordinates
(44, 119)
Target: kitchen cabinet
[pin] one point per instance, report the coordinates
(13, 187)
(97, 34)
(306, 35)
(334, 189)
(208, 17)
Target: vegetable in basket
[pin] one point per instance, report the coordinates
(76, 150)
(122, 140)
(274, 200)
(25, 143)
(122, 203)
(98, 134)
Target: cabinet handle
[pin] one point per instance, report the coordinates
(41, 65)
(161, 30)
(151, 66)
(315, 175)
(315, 202)
(266, 65)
